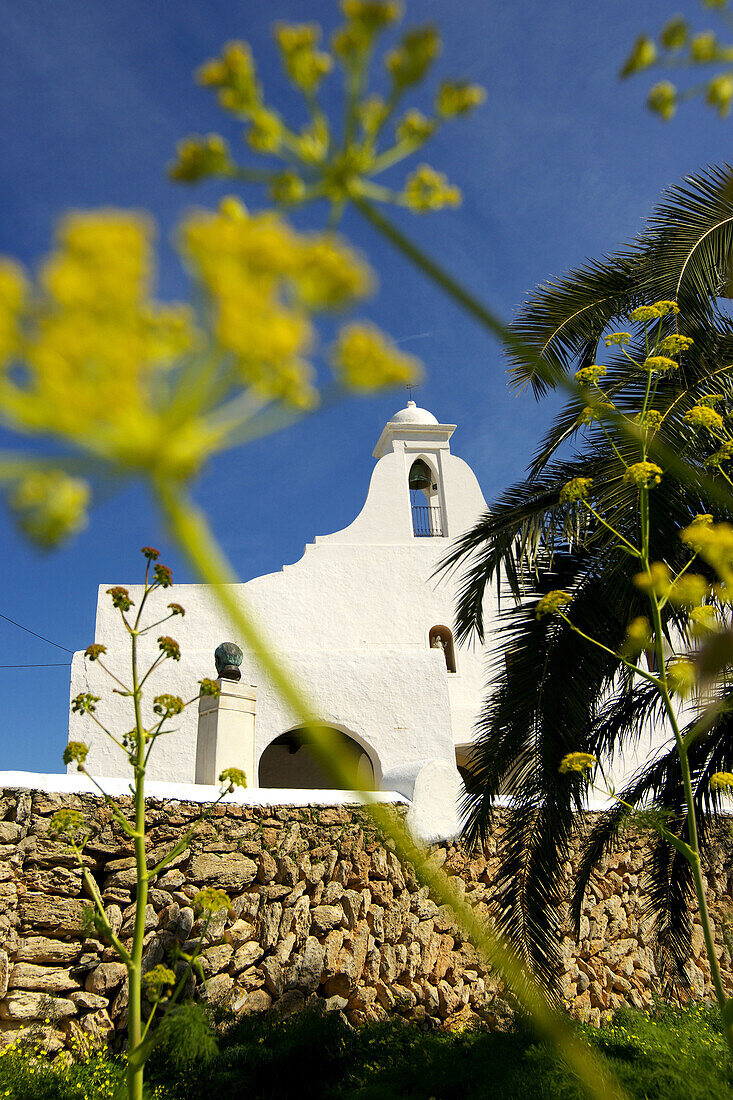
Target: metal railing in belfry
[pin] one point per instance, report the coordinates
(427, 521)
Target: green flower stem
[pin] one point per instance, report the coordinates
(393, 156)
(116, 813)
(111, 736)
(682, 750)
(664, 600)
(613, 530)
(610, 440)
(198, 544)
(446, 282)
(136, 1063)
(152, 626)
(612, 652)
(112, 676)
(94, 893)
(251, 175)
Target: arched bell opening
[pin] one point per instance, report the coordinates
(440, 637)
(289, 762)
(427, 519)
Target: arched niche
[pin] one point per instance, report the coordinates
(441, 637)
(288, 762)
(427, 516)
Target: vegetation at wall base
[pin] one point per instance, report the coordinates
(673, 1054)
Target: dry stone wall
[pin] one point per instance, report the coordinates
(323, 914)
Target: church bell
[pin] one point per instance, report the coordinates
(420, 476)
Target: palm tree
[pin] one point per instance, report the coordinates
(551, 693)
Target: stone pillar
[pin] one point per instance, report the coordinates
(226, 733)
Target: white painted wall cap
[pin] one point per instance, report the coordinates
(412, 414)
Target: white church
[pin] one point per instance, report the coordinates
(361, 621)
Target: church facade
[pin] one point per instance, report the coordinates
(361, 621)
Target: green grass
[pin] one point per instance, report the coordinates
(674, 1054)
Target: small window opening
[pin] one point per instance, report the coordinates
(440, 637)
(427, 520)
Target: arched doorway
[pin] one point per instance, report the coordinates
(289, 762)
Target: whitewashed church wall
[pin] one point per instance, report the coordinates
(348, 692)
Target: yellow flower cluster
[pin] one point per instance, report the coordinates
(66, 822)
(457, 99)
(577, 762)
(158, 980)
(198, 157)
(654, 311)
(320, 160)
(650, 421)
(95, 348)
(410, 61)
(576, 489)
(233, 75)
(662, 99)
(714, 543)
(721, 781)
(657, 364)
(719, 93)
(643, 54)
(426, 189)
(588, 376)
(703, 620)
(76, 751)
(723, 454)
(414, 128)
(552, 602)
(703, 416)
(689, 589)
(49, 506)
(233, 777)
(682, 676)
(619, 338)
(364, 359)
(13, 295)
(303, 62)
(592, 413)
(638, 637)
(645, 475)
(89, 358)
(211, 900)
(674, 344)
(658, 580)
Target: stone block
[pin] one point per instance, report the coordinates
(105, 977)
(217, 989)
(44, 979)
(43, 949)
(41, 912)
(88, 1002)
(256, 1002)
(232, 871)
(23, 1005)
(268, 924)
(274, 976)
(247, 955)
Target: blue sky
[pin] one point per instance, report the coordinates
(561, 164)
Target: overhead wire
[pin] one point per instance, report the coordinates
(54, 664)
(35, 635)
